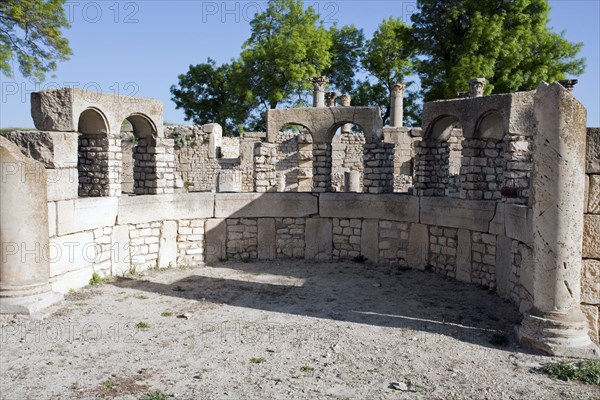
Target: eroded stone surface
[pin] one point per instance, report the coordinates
(591, 236)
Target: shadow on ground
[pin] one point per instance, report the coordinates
(385, 296)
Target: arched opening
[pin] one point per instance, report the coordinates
(294, 158)
(438, 158)
(483, 160)
(139, 164)
(93, 154)
(347, 154)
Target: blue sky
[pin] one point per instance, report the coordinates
(140, 47)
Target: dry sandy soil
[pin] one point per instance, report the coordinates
(276, 331)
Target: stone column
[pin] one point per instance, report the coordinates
(330, 98)
(397, 104)
(556, 324)
(25, 259)
(345, 100)
(352, 181)
(319, 83)
(476, 87)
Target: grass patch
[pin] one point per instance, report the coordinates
(257, 360)
(142, 297)
(306, 368)
(142, 325)
(178, 289)
(584, 371)
(166, 314)
(97, 279)
(109, 384)
(155, 396)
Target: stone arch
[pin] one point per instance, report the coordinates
(294, 157)
(93, 154)
(138, 154)
(490, 125)
(438, 158)
(347, 153)
(483, 163)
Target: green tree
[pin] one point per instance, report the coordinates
(30, 32)
(288, 45)
(208, 92)
(387, 58)
(506, 41)
(347, 48)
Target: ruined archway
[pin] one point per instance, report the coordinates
(95, 176)
(138, 151)
(438, 158)
(483, 161)
(347, 154)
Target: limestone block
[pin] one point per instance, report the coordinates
(593, 151)
(417, 254)
(53, 149)
(59, 110)
(586, 194)
(457, 213)
(215, 233)
(51, 219)
(258, 205)
(318, 239)
(504, 258)
(591, 236)
(497, 224)
(392, 207)
(72, 280)
(167, 251)
(72, 252)
(230, 181)
(590, 282)
(369, 240)
(267, 241)
(518, 220)
(526, 269)
(592, 315)
(141, 209)
(593, 205)
(63, 184)
(120, 250)
(85, 214)
(463, 256)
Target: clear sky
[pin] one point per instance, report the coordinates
(140, 47)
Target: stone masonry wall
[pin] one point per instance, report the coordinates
(590, 288)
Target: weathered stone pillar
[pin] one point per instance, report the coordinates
(24, 255)
(397, 104)
(556, 324)
(330, 98)
(319, 83)
(476, 87)
(345, 100)
(352, 181)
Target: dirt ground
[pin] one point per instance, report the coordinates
(277, 330)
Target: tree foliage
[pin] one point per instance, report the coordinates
(506, 41)
(30, 33)
(287, 46)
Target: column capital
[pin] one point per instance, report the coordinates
(330, 98)
(397, 88)
(319, 82)
(345, 100)
(476, 87)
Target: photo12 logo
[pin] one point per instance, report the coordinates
(21, 91)
(238, 11)
(95, 11)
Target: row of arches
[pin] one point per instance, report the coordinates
(111, 163)
(486, 164)
(308, 165)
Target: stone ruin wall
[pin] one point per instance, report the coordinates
(590, 278)
(475, 238)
